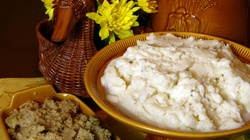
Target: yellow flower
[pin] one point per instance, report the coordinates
(115, 19)
(148, 6)
(48, 4)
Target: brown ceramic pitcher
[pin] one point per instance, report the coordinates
(221, 18)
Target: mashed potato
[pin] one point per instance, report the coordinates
(180, 84)
(54, 120)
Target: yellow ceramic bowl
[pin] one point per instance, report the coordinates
(38, 94)
(97, 64)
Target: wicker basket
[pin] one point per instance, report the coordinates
(63, 65)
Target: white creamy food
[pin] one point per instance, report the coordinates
(180, 84)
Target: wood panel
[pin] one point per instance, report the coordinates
(18, 43)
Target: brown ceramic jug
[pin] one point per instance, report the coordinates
(221, 18)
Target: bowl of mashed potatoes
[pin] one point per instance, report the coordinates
(174, 84)
(41, 113)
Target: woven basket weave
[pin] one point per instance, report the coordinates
(63, 65)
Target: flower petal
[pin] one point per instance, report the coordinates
(148, 6)
(111, 38)
(115, 18)
(124, 33)
(104, 33)
(48, 4)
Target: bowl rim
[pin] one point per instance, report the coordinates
(142, 126)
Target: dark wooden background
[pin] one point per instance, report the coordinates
(18, 42)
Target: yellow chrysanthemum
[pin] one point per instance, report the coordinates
(148, 6)
(115, 19)
(48, 4)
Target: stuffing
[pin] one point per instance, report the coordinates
(54, 120)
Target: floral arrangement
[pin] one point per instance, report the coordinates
(117, 19)
(49, 5)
